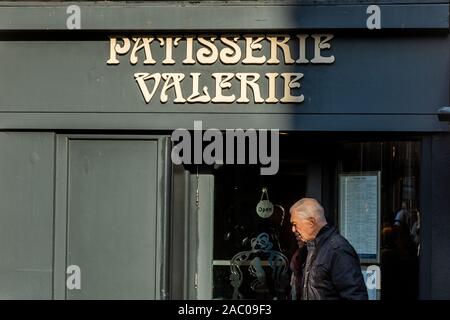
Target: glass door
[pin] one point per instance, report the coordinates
(252, 239)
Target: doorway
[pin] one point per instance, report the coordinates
(252, 249)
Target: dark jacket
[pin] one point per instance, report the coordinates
(332, 269)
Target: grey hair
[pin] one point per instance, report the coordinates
(312, 206)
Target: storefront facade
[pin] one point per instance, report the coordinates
(91, 93)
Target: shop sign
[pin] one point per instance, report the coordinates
(227, 80)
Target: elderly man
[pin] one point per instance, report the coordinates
(332, 269)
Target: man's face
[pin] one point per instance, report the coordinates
(303, 228)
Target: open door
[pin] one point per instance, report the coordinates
(253, 243)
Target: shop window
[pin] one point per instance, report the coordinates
(398, 164)
(251, 251)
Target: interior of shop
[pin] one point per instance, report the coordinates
(252, 251)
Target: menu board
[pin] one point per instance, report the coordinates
(359, 213)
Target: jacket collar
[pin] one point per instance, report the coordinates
(324, 233)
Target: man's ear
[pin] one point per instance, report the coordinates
(311, 221)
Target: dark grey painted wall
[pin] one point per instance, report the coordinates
(381, 81)
(98, 202)
(440, 218)
(401, 79)
(227, 15)
(388, 80)
(26, 215)
(401, 74)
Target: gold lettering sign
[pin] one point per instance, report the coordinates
(228, 50)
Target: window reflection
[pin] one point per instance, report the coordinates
(400, 218)
(237, 226)
(251, 250)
